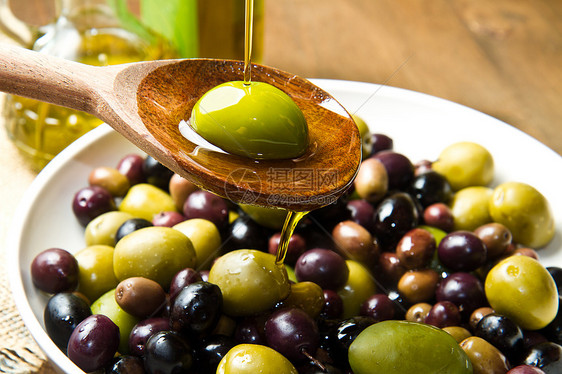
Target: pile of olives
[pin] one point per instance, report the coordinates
(419, 268)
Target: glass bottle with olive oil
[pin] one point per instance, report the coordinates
(86, 31)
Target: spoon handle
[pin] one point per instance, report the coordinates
(51, 79)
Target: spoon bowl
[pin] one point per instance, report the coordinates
(147, 101)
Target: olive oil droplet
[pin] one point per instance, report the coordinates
(289, 226)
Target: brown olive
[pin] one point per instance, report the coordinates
(418, 312)
(478, 314)
(485, 358)
(111, 179)
(418, 285)
(415, 249)
(140, 297)
(458, 332)
(439, 215)
(529, 252)
(354, 242)
(496, 237)
(180, 188)
(389, 267)
(371, 182)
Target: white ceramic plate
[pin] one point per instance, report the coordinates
(420, 125)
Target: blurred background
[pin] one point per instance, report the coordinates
(501, 57)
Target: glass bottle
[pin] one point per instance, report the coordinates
(86, 31)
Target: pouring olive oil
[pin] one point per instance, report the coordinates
(254, 120)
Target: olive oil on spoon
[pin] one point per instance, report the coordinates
(145, 101)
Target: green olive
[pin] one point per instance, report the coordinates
(107, 305)
(250, 280)
(205, 238)
(366, 140)
(111, 179)
(272, 218)
(95, 275)
(252, 359)
(525, 212)
(255, 120)
(102, 229)
(520, 288)
(465, 164)
(307, 296)
(485, 358)
(402, 347)
(359, 287)
(470, 207)
(156, 253)
(145, 201)
(457, 332)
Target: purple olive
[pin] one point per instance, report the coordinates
(54, 270)
(90, 202)
(93, 342)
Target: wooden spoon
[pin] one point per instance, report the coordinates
(146, 101)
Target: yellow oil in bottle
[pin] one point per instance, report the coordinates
(42, 130)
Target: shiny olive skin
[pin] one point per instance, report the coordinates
(90, 202)
(418, 312)
(180, 188)
(145, 201)
(546, 356)
(54, 270)
(143, 330)
(156, 174)
(250, 281)
(324, 267)
(525, 212)
(93, 343)
(430, 188)
(464, 290)
(96, 273)
(398, 167)
(496, 237)
(253, 358)
(63, 312)
(210, 352)
(111, 179)
(465, 164)
(416, 248)
(107, 306)
(205, 237)
(164, 252)
(485, 358)
(272, 218)
(103, 228)
(470, 207)
(131, 166)
(141, 297)
(358, 288)
(196, 308)
(502, 333)
(354, 242)
(520, 288)
(125, 365)
(255, 120)
(307, 296)
(394, 216)
(398, 347)
(131, 225)
(457, 332)
(167, 352)
(418, 285)
(371, 182)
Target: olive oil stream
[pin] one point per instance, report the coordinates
(293, 218)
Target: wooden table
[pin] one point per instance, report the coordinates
(503, 58)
